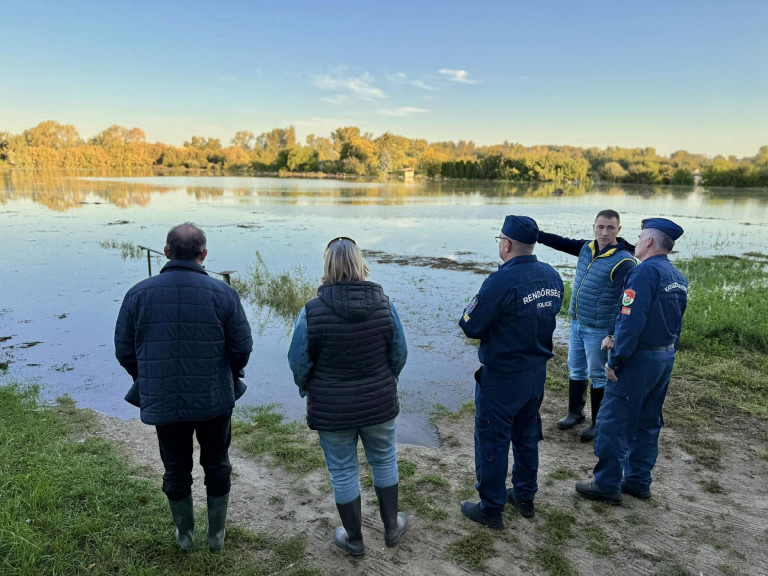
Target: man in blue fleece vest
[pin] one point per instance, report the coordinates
(603, 265)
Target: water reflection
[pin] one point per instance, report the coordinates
(65, 190)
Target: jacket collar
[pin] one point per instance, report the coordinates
(518, 260)
(621, 244)
(184, 265)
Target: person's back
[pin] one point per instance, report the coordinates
(350, 334)
(181, 319)
(520, 334)
(184, 338)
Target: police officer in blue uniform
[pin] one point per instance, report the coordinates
(643, 352)
(513, 315)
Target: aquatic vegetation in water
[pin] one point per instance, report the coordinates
(128, 250)
(440, 263)
(284, 293)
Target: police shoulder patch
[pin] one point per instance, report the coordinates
(628, 297)
(471, 306)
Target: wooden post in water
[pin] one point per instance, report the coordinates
(149, 263)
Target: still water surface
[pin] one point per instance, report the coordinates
(428, 244)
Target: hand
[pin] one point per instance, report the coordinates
(607, 343)
(611, 374)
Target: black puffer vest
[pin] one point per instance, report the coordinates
(350, 335)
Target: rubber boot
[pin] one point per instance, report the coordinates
(217, 518)
(577, 399)
(350, 536)
(183, 513)
(595, 399)
(395, 522)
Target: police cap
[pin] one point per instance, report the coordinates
(520, 228)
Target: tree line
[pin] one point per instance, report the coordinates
(347, 150)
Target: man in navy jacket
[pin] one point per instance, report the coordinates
(184, 338)
(647, 334)
(514, 316)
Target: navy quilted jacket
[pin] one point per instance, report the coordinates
(184, 337)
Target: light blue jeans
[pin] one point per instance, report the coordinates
(585, 359)
(340, 450)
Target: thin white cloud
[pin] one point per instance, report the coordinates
(403, 111)
(457, 76)
(338, 99)
(422, 85)
(399, 78)
(360, 87)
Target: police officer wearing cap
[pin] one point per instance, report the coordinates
(513, 315)
(643, 352)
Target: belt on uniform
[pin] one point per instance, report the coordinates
(656, 348)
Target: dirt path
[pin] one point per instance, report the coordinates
(699, 522)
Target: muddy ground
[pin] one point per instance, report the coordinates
(700, 521)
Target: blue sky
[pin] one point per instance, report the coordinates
(674, 75)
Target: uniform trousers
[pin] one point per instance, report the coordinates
(630, 420)
(214, 437)
(507, 410)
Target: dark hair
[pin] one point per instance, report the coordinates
(185, 242)
(609, 214)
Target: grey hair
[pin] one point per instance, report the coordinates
(185, 242)
(343, 263)
(663, 241)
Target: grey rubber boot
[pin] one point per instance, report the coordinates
(395, 522)
(350, 536)
(595, 399)
(217, 518)
(577, 399)
(183, 513)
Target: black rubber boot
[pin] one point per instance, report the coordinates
(183, 513)
(217, 518)
(595, 399)
(350, 536)
(577, 399)
(395, 522)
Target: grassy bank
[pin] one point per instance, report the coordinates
(69, 504)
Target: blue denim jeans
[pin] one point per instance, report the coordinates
(585, 359)
(340, 449)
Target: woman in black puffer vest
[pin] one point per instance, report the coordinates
(347, 351)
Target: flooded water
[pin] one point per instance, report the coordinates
(64, 274)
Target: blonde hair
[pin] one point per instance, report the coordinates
(343, 262)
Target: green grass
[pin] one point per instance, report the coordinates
(712, 486)
(566, 299)
(553, 561)
(71, 505)
(260, 431)
(422, 493)
(284, 293)
(557, 526)
(726, 304)
(560, 473)
(440, 412)
(473, 551)
(597, 539)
